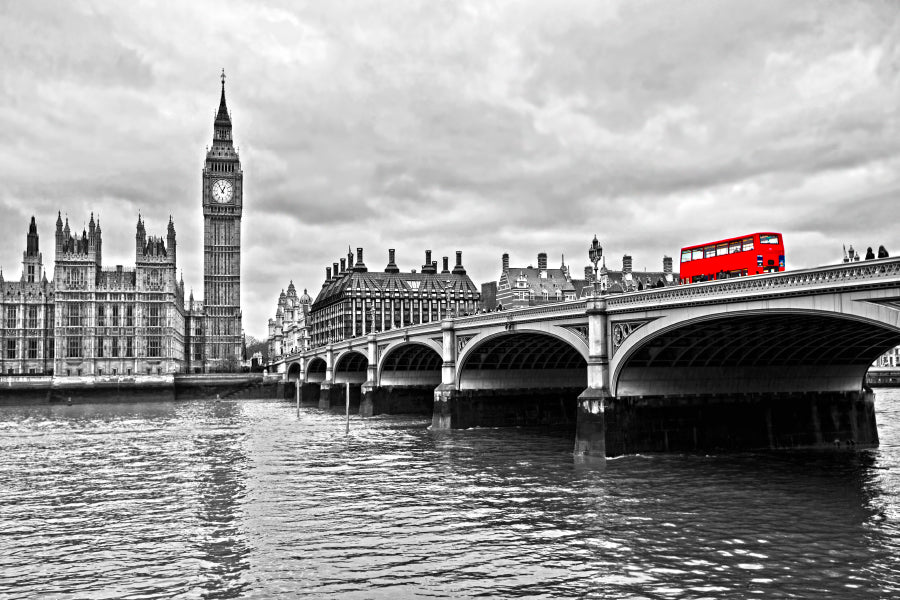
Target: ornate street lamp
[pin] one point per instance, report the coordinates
(595, 253)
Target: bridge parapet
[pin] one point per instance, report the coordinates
(878, 273)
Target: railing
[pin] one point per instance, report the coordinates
(842, 275)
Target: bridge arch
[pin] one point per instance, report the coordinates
(350, 367)
(411, 363)
(294, 371)
(315, 370)
(523, 358)
(753, 350)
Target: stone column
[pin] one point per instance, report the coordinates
(370, 387)
(325, 387)
(445, 394)
(590, 434)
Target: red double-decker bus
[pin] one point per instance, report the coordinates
(750, 254)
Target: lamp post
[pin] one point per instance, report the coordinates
(595, 253)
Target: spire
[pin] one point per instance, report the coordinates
(31, 243)
(59, 221)
(222, 117)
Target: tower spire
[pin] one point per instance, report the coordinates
(222, 117)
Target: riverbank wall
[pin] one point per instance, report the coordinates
(139, 388)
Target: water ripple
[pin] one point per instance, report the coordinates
(247, 499)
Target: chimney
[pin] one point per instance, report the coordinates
(505, 262)
(334, 270)
(667, 264)
(459, 269)
(327, 274)
(343, 266)
(589, 273)
(429, 266)
(542, 261)
(360, 266)
(626, 264)
(446, 265)
(392, 264)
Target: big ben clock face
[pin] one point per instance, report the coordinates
(222, 191)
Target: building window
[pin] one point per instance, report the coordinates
(99, 347)
(114, 347)
(129, 347)
(101, 315)
(32, 317)
(74, 319)
(50, 350)
(32, 348)
(115, 315)
(129, 317)
(30, 273)
(154, 315)
(73, 346)
(10, 349)
(11, 317)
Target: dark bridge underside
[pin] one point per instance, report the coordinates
(523, 360)
(316, 371)
(412, 364)
(351, 368)
(788, 352)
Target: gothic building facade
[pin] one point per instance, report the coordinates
(91, 320)
(289, 330)
(27, 315)
(223, 202)
(117, 321)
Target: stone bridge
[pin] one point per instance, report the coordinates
(766, 361)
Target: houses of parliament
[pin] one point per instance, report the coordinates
(93, 320)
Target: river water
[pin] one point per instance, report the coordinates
(247, 499)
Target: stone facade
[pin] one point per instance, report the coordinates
(289, 330)
(96, 321)
(223, 202)
(27, 316)
(354, 301)
(117, 321)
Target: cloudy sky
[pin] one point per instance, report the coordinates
(484, 126)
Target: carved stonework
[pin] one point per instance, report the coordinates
(579, 330)
(461, 341)
(438, 340)
(622, 329)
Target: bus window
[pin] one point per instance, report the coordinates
(697, 254)
(734, 247)
(748, 244)
(768, 239)
(721, 249)
(709, 252)
(686, 256)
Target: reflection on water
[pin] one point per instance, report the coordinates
(246, 499)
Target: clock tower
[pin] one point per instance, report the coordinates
(223, 201)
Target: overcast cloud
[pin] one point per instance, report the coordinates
(488, 127)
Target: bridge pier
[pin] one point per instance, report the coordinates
(396, 400)
(446, 393)
(514, 407)
(740, 422)
(590, 427)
